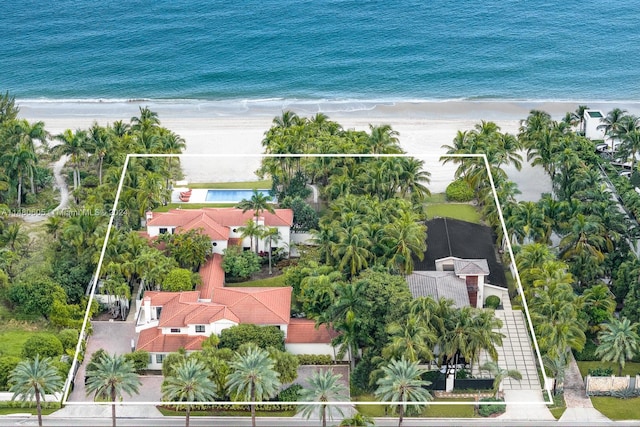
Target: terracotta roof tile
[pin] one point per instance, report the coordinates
(154, 341)
(212, 276)
(227, 217)
(210, 227)
(260, 306)
(303, 331)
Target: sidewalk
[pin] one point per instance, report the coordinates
(579, 406)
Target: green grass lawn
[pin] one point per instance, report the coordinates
(558, 407)
(630, 368)
(277, 281)
(259, 185)
(8, 411)
(171, 413)
(461, 211)
(14, 334)
(193, 206)
(617, 409)
(432, 411)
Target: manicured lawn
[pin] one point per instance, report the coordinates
(617, 409)
(171, 413)
(432, 411)
(193, 206)
(630, 368)
(436, 198)
(277, 281)
(7, 411)
(13, 335)
(461, 211)
(259, 185)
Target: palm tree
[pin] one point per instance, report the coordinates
(611, 123)
(189, 382)
(272, 234)
(578, 116)
(500, 374)
(412, 339)
(405, 238)
(20, 164)
(111, 376)
(251, 229)
(324, 386)
(35, 378)
(258, 203)
(100, 144)
(253, 377)
(557, 367)
(74, 145)
(352, 249)
(619, 342)
(402, 383)
(599, 304)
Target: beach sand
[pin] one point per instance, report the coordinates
(235, 129)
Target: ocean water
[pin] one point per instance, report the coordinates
(333, 50)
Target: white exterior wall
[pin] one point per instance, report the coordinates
(154, 231)
(153, 364)
(219, 247)
(317, 348)
(591, 124)
(489, 290)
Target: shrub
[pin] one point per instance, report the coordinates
(625, 393)
(44, 344)
(600, 372)
(588, 353)
(178, 279)
(459, 191)
(239, 264)
(314, 359)
(140, 359)
(7, 365)
(262, 336)
(492, 301)
(487, 410)
(290, 394)
(69, 338)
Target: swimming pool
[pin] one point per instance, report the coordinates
(232, 196)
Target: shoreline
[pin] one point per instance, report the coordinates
(238, 129)
(374, 109)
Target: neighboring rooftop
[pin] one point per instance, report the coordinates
(439, 284)
(451, 237)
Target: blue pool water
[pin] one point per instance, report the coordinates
(232, 196)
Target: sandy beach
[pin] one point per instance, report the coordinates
(237, 128)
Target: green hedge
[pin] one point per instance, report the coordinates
(492, 301)
(487, 410)
(459, 191)
(314, 359)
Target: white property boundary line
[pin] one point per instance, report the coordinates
(67, 385)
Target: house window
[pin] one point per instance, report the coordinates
(235, 230)
(175, 330)
(200, 328)
(215, 243)
(163, 231)
(159, 358)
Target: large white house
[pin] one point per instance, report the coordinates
(222, 225)
(168, 321)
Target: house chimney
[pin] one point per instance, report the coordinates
(149, 215)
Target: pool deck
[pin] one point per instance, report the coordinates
(198, 195)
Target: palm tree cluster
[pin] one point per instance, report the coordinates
(358, 232)
(500, 149)
(432, 324)
(385, 177)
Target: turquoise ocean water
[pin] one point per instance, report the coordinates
(332, 50)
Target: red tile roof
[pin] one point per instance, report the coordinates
(303, 331)
(260, 306)
(210, 227)
(228, 217)
(180, 312)
(154, 341)
(212, 276)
